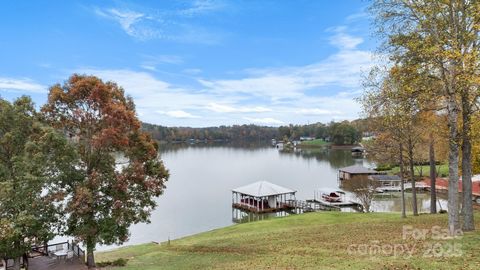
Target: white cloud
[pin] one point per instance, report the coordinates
(202, 6)
(321, 91)
(192, 71)
(342, 69)
(135, 83)
(128, 20)
(154, 97)
(178, 114)
(316, 111)
(162, 59)
(169, 25)
(150, 62)
(221, 108)
(358, 16)
(148, 67)
(264, 121)
(21, 85)
(345, 41)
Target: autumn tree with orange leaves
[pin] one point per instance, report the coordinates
(112, 195)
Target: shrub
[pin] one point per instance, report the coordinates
(117, 262)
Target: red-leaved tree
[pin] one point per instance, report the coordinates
(122, 172)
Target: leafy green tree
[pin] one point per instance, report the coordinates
(122, 172)
(36, 164)
(343, 133)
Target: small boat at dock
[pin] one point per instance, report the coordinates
(329, 195)
(334, 198)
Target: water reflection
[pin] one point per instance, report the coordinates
(198, 196)
(243, 145)
(335, 157)
(241, 216)
(392, 202)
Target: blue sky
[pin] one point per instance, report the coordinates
(196, 63)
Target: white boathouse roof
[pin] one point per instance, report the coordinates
(263, 189)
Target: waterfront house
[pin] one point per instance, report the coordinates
(356, 170)
(262, 197)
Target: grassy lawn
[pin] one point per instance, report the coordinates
(442, 170)
(314, 143)
(309, 241)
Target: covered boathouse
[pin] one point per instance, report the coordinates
(262, 197)
(356, 170)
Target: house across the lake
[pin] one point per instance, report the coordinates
(262, 197)
(356, 170)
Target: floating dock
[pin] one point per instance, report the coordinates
(347, 204)
(310, 206)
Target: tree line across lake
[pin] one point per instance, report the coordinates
(340, 133)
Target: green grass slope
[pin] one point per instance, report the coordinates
(314, 143)
(311, 241)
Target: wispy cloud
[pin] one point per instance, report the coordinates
(320, 91)
(150, 62)
(178, 114)
(264, 121)
(168, 25)
(202, 6)
(28, 85)
(341, 69)
(221, 108)
(128, 20)
(163, 59)
(317, 111)
(345, 41)
(192, 71)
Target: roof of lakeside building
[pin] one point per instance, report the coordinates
(263, 189)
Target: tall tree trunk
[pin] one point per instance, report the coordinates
(412, 177)
(433, 176)
(25, 261)
(402, 183)
(453, 209)
(90, 255)
(467, 203)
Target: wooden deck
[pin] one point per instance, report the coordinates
(311, 206)
(349, 204)
(53, 263)
(253, 209)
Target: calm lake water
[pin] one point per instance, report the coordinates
(198, 195)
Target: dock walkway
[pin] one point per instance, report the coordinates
(311, 206)
(346, 204)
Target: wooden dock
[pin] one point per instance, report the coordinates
(311, 206)
(348, 204)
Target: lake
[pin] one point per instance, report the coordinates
(198, 194)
